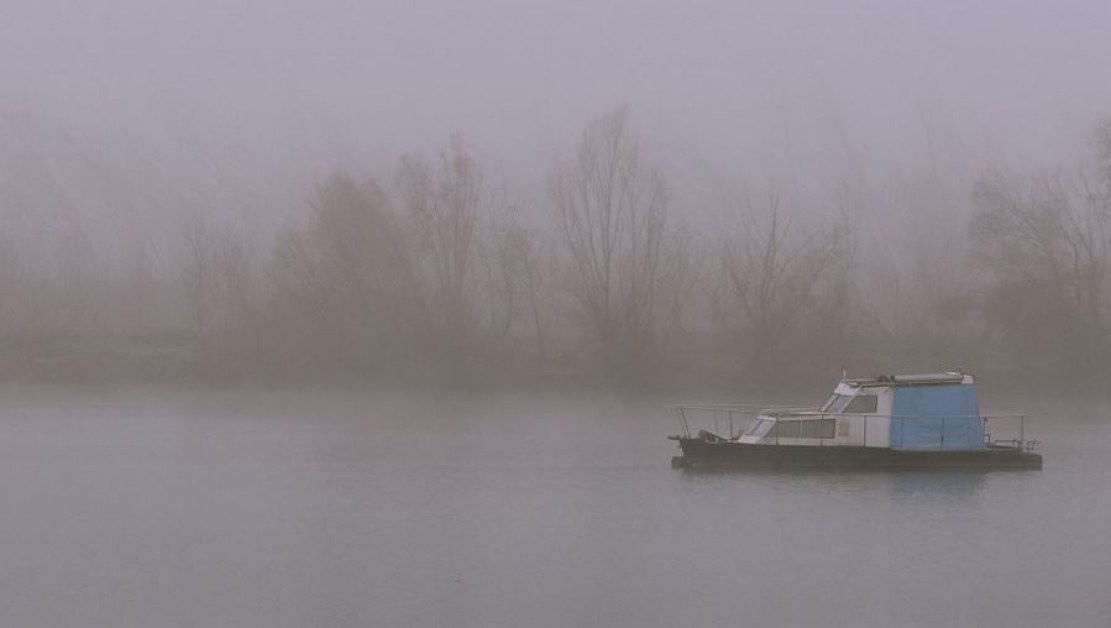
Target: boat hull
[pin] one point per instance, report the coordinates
(698, 452)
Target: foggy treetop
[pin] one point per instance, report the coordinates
(889, 183)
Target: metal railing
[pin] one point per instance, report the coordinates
(719, 412)
(1020, 442)
(726, 415)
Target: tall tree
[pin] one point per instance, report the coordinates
(221, 288)
(345, 284)
(513, 279)
(444, 206)
(774, 280)
(1043, 244)
(624, 265)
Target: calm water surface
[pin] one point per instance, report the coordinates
(174, 509)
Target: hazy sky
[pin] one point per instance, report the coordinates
(242, 101)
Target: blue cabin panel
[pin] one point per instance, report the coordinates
(931, 418)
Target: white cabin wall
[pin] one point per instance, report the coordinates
(868, 430)
(879, 426)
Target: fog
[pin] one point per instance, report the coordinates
(175, 177)
(364, 313)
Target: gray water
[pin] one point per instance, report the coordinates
(282, 509)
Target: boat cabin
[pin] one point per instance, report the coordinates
(925, 412)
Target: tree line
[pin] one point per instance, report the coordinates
(430, 274)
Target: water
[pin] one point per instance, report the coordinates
(178, 509)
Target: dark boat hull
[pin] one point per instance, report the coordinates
(698, 452)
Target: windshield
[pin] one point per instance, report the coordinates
(760, 427)
(836, 404)
(827, 403)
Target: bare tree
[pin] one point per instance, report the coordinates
(510, 260)
(198, 273)
(444, 206)
(1043, 243)
(533, 279)
(16, 289)
(1101, 144)
(221, 288)
(913, 296)
(774, 279)
(344, 286)
(610, 215)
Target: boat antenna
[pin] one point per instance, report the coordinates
(844, 372)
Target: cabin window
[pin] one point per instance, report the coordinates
(785, 429)
(812, 428)
(818, 428)
(862, 404)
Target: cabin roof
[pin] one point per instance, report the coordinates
(916, 379)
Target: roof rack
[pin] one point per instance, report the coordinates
(917, 379)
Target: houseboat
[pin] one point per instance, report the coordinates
(923, 421)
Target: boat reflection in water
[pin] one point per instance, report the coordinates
(923, 421)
